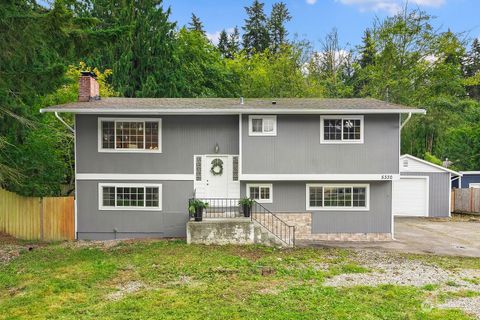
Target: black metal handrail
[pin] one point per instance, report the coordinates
(220, 208)
(270, 221)
(230, 208)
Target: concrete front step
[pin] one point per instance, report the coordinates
(222, 214)
(230, 231)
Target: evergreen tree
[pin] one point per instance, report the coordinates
(233, 43)
(367, 50)
(142, 57)
(223, 43)
(37, 45)
(472, 69)
(196, 24)
(276, 25)
(255, 38)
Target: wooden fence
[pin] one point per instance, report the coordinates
(35, 218)
(466, 200)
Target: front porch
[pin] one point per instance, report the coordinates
(224, 221)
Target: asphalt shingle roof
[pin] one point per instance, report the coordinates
(227, 104)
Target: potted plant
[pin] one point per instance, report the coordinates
(195, 207)
(246, 204)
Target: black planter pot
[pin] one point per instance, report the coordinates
(247, 210)
(198, 214)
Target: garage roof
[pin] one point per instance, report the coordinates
(415, 164)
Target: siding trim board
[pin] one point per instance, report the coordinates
(128, 176)
(320, 177)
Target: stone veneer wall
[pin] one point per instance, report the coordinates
(303, 230)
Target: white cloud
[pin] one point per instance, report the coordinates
(311, 1)
(213, 37)
(389, 6)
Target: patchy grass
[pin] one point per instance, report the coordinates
(171, 280)
(447, 262)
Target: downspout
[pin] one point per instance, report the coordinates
(75, 159)
(63, 121)
(399, 138)
(406, 120)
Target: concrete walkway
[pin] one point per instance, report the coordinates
(420, 235)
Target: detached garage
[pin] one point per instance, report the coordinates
(423, 189)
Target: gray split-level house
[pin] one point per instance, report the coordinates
(325, 166)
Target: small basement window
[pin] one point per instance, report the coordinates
(346, 129)
(126, 196)
(337, 197)
(129, 135)
(262, 193)
(262, 125)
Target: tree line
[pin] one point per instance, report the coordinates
(138, 51)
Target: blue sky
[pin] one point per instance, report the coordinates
(312, 19)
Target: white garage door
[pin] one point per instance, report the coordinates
(410, 197)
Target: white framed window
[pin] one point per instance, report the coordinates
(129, 196)
(338, 197)
(341, 129)
(262, 193)
(129, 135)
(262, 125)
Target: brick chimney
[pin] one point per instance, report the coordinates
(88, 89)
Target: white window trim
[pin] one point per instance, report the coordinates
(343, 141)
(474, 185)
(115, 120)
(261, 185)
(326, 185)
(134, 185)
(263, 117)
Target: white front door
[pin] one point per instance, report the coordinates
(410, 197)
(215, 177)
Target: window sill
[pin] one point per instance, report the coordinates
(128, 151)
(263, 201)
(337, 209)
(129, 209)
(341, 142)
(258, 134)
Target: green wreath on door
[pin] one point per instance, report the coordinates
(217, 167)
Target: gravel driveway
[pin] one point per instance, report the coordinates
(456, 237)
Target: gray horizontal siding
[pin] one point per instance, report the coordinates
(297, 148)
(99, 224)
(290, 196)
(182, 137)
(438, 192)
(469, 178)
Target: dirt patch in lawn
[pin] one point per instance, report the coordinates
(11, 247)
(397, 270)
(468, 305)
(104, 244)
(126, 282)
(124, 289)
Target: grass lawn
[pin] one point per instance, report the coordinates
(171, 280)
